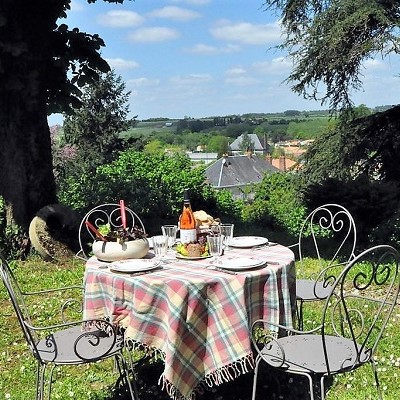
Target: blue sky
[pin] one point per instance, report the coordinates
(200, 58)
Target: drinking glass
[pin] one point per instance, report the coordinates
(160, 244)
(227, 231)
(215, 243)
(170, 232)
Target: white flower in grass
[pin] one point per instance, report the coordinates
(71, 394)
(7, 396)
(348, 386)
(385, 387)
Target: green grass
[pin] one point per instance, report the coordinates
(95, 382)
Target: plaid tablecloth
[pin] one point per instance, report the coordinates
(198, 319)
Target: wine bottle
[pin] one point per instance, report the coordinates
(187, 222)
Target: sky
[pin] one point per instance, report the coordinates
(202, 58)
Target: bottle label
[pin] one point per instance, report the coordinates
(188, 235)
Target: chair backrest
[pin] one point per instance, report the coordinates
(109, 213)
(18, 303)
(85, 343)
(361, 302)
(328, 234)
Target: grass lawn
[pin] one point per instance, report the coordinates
(95, 382)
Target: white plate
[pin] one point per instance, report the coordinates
(240, 263)
(132, 266)
(182, 257)
(247, 241)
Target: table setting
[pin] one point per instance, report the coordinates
(192, 301)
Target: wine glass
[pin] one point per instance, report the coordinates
(215, 243)
(160, 244)
(170, 232)
(227, 231)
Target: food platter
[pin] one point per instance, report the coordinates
(182, 257)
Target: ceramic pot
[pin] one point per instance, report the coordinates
(114, 251)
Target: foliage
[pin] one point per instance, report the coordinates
(121, 234)
(218, 144)
(359, 144)
(330, 40)
(277, 204)
(152, 184)
(14, 242)
(309, 128)
(374, 205)
(246, 143)
(94, 129)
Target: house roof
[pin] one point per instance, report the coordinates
(240, 170)
(235, 145)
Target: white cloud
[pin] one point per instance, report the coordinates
(174, 13)
(193, 2)
(76, 5)
(120, 63)
(241, 80)
(205, 49)
(247, 33)
(235, 71)
(142, 82)
(120, 19)
(154, 34)
(192, 79)
(374, 64)
(279, 65)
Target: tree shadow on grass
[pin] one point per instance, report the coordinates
(272, 385)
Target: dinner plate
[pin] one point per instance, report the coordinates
(182, 257)
(240, 263)
(132, 266)
(247, 241)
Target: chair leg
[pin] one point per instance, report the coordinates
(299, 313)
(124, 374)
(375, 372)
(41, 381)
(257, 364)
(311, 385)
(40, 372)
(50, 385)
(322, 386)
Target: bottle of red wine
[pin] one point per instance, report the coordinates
(187, 222)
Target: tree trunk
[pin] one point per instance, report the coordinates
(26, 174)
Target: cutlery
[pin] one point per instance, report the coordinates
(227, 271)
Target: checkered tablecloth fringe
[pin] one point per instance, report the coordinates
(225, 374)
(151, 352)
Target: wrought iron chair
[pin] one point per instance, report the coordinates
(354, 317)
(329, 236)
(109, 213)
(68, 342)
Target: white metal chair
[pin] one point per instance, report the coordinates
(109, 213)
(329, 236)
(353, 321)
(68, 342)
